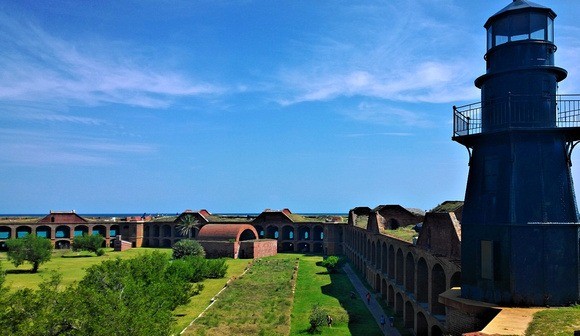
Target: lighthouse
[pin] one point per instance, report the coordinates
(520, 230)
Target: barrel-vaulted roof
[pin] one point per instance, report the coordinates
(227, 232)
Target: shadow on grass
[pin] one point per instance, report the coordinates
(20, 271)
(77, 256)
(360, 320)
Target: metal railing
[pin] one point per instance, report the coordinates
(517, 111)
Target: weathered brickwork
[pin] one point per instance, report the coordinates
(407, 277)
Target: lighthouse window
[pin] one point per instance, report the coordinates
(538, 26)
(501, 32)
(520, 27)
(550, 30)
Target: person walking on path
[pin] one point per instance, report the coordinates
(329, 321)
(383, 322)
(374, 307)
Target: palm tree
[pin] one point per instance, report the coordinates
(187, 226)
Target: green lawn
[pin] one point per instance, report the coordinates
(71, 265)
(332, 291)
(257, 303)
(555, 321)
(186, 313)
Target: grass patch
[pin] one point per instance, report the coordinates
(405, 233)
(555, 321)
(257, 303)
(186, 313)
(332, 291)
(72, 266)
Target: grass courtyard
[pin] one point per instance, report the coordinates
(274, 297)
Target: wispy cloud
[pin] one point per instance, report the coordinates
(385, 114)
(27, 147)
(392, 60)
(37, 66)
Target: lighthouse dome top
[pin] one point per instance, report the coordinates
(520, 6)
(521, 20)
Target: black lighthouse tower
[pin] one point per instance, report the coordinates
(520, 230)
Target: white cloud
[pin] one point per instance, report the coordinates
(37, 66)
(395, 53)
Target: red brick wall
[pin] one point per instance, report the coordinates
(219, 249)
(264, 248)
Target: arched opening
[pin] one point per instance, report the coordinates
(410, 273)
(422, 326)
(146, 231)
(43, 231)
(260, 230)
(391, 262)
(373, 254)
(377, 283)
(384, 253)
(318, 234)
(392, 224)
(384, 289)
(62, 231)
(287, 247)
(81, 230)
(399, 305)
(62, 244)
(400, 270)
(155, 231)
(318, 247)
(5, 232)
(114, 231)
(409, 315)
(288, 233)
(304, 247)
(368, 250)
(23, 231)
(304, 233)
(438, 286)
(248, 234)
(378, 256)
(422, 281)
(455, 280)
(102, 230)
(272, 232)
(436, 331)
(166, 232)
(154, 242)
(391, 296)
(166, 243)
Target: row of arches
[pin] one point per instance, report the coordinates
(409, 279)
(288, 232)
(57, 232)
(158, 231)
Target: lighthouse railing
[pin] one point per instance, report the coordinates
(517, 111)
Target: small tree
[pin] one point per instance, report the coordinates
(187, 225)
(91, 243)
(187, 248)
(331, 263)
(31, 248)
(317, 317)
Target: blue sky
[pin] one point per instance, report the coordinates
(238, 106)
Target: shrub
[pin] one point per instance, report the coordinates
(215, 268)
(91, 243)
(187, 248)
(317, 317)
(331, 263)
